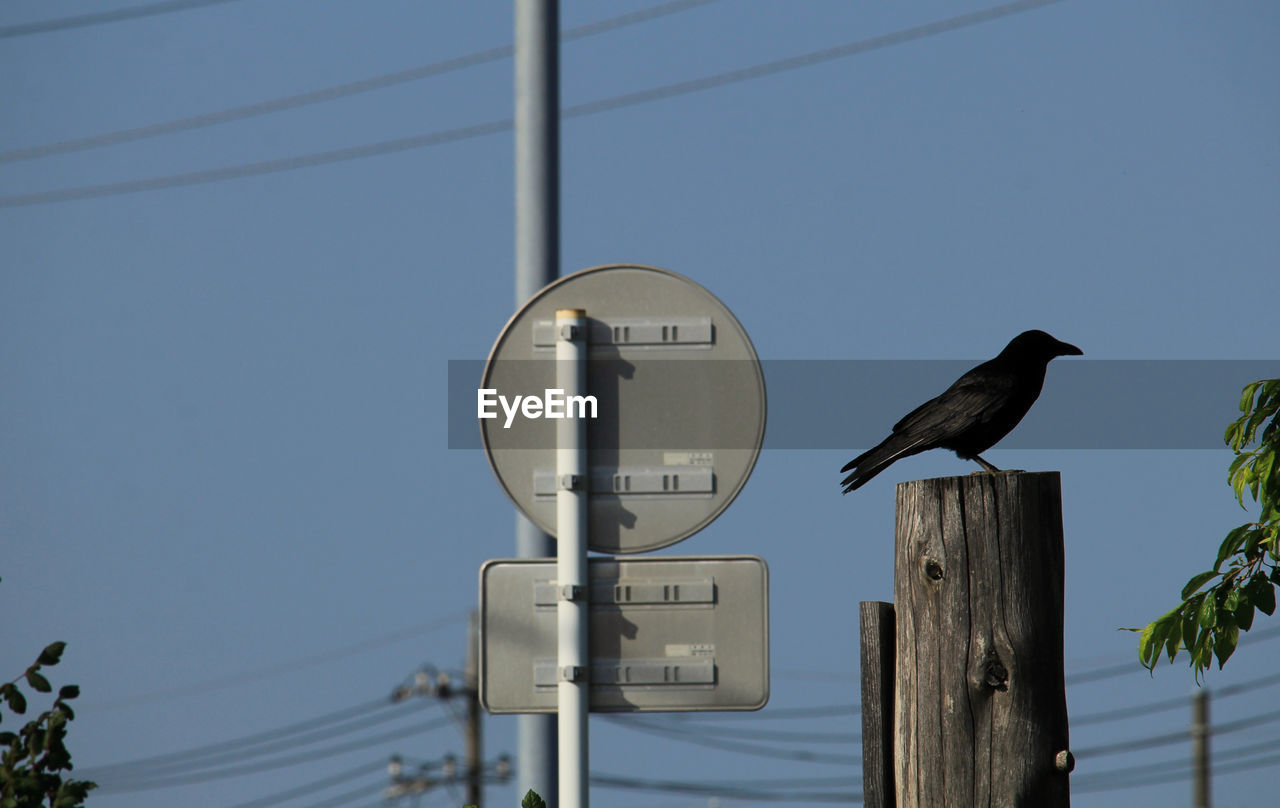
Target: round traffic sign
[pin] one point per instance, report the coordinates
(676, 407)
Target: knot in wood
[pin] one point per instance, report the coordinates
(1064, 761)
(933, 569)
(994, 674)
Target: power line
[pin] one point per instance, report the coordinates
(100, 17)
(1104, 716)
(753, 733)
(733, 746)
(492, 127)
(770, 713)
(272, 800)
(747, 729)
(347, 798)
(246, 740)
(232, 751)
(764, 783)
(338, 90)
(1161, 778)
(273, 763)
(740, 791)
(1167, 738)
(1143, 772)
(1244, 687)
(1177, 702)
(272, 671)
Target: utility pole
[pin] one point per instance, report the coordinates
(414, 780)
(537, 223)
(1200, 749)
(474, 753)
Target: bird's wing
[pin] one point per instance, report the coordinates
(975, 398)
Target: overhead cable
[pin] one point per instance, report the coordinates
(335, 91)
(145, 784)
(443, 136)
(100, 17)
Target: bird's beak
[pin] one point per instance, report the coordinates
(1067, 349)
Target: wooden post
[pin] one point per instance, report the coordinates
(981, 709)
(878, 644)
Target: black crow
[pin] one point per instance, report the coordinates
(982, 407)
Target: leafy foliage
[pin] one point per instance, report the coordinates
(1219, 603)
(531, 800)
(34, 758)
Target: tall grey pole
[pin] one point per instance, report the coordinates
(537, 135)
(1200, 749)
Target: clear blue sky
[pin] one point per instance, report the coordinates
(224, 474)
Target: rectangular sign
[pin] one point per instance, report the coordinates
(667, 634)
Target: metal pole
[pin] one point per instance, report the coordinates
(537, 130)
(537, 214)
(474, 753)
(1200, 749)
(573, 659)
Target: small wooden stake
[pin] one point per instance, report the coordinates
(877, 642)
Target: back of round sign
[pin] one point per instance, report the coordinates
(679, 406)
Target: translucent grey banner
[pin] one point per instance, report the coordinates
(853, 404)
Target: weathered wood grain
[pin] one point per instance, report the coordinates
(980, 707)
(876, 629)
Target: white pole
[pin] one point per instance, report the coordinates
(571, 560)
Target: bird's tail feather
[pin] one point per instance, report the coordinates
(873, 461)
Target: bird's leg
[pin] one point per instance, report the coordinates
(990, 468)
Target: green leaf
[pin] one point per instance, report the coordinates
(1173, 638)
(38, 683)
(1233, 599)
(1238, 471)
(1244, 610)
(7, 738)
(1264, 595)
(68, 691)
(16, 701)
(1266, 466)
(1189, 626)
(1246, 396)
(1230, 546)
(1251, 544)
(1237, 485)
(532, 800)
(52, 653)
(1208, 616)
(1224, 644)
(1204, 647)
(1196, 582)
(1146, 647)
(1251, 428)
